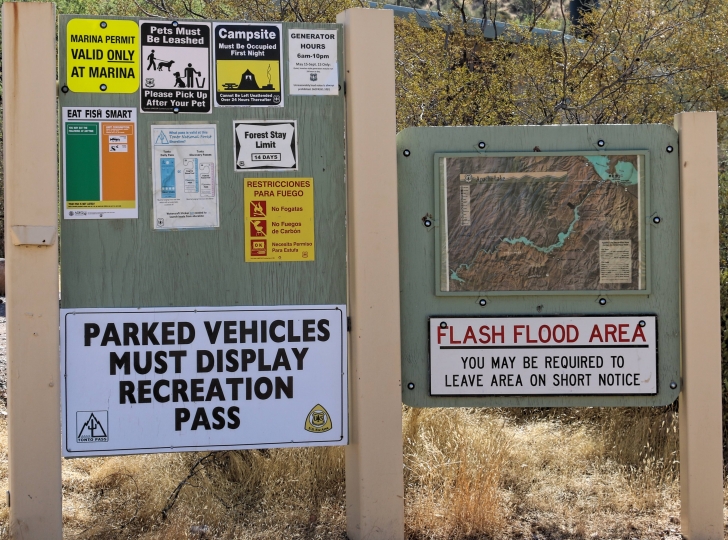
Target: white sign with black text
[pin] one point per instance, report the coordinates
(175, 67)
(313, 68)
(480, 356)
(153, 380)
(262, 145)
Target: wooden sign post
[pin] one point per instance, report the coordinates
(31, 252)
(375, 492)
(701, 442)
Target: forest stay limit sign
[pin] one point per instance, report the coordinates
(188, 379)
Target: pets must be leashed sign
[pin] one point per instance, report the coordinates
(175, 67)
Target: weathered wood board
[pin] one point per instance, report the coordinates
(126, 263)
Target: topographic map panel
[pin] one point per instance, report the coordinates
(542, 223)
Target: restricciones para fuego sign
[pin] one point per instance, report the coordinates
(543, 355)
(188, 379)
(279, 219)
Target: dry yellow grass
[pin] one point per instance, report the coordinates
(469, 474)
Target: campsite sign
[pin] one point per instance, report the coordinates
(248, 65)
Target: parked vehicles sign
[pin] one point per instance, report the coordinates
(183, 379)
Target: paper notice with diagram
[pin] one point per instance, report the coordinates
(184, 168)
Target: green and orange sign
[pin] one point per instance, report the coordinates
(99, 163)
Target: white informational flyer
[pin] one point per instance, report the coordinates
(184, 170)
(313, 68)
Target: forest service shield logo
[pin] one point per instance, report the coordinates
(318, 420)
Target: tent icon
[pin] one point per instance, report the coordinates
(248, 82)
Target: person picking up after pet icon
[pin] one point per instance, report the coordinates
(190, 74)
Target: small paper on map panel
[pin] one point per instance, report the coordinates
(542, 222)
(615, 261)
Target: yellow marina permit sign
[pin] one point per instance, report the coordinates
(102, 56)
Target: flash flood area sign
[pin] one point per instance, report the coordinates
(102, 56)
(491, 356)
(175, 67)
(192, 379)
(248, 70)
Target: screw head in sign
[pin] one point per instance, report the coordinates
(673, 385)
(669, 149)
(482, 302)
(103, 24)
(103, 88)
(602, 301)
(656, 220)
(481, 145)
(443, 324)
(175, 110)
(64, 89)
(600, 143)
(428, 223)
(643, 324)
(411, 386)
(406, 153)
(175, 23)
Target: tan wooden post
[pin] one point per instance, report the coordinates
(374, 485)
(701, 445)
(31, 253)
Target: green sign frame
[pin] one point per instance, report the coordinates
(419, 151)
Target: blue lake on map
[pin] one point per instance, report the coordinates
(625, 173)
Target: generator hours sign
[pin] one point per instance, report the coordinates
(175, 67)
(543, 355)
(102, 56)
(189, 379)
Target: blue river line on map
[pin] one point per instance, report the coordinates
(625, 174)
